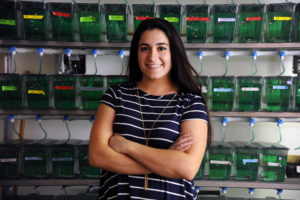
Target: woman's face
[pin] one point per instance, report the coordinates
(154, 55)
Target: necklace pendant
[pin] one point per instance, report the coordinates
(146, 182)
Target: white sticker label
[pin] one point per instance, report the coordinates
(280, 87)
(245, 161)
(91, 88)
(33, 158)
(223, 90)
(61, 159)
(289, 82)
(298, 169)
(250, 89)
(270, 164)
(8, 160)
(220, 162)
(226, 19)
(204, 89)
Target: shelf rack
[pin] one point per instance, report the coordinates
(192, 49)
(289, 184)
(86, 114)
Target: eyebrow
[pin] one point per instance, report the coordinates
(161, 43)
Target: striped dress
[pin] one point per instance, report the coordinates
(124, 100)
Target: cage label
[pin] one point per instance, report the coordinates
(250, 89)
(58, 87)
(87, 19)
(271, 164)
(33, 16)
(8, 22)
(116, 18)
(8, 160)
(62, 159)
(220, 162)
(33, 158)
(245, 161)
(143, 18)
(91, 88)
(283, 18)
(36, 92)
(226, 19)
(197, 19)
(253, 18)
(172, 19)
(60, 14)
(9, 88)
(223, 90)
(280, 87)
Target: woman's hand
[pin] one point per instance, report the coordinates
(118, 143)
(182, 143)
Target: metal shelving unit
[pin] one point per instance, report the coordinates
(105, 48)
(289, 184)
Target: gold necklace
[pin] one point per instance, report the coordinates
(147, 136)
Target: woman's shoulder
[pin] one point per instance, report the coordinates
(187, 96)
(124, 88)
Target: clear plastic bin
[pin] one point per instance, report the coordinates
(64, 87)
(37, 91)
(197, 19)
(89, 21)
(246, 161)
(8, 19)
(34, 20)
(116, 80)
(280, 21)
(9, 160)
(250, 22)
(142, 12)
(35, 159)
(91, 89)
(63, 157)
(220, 162)
(224, 22)
(296, 93)
(274, 163)
(223, 89)
(171, 13)
(116, 22)
(64, 26)
(249, 93)
(10, 91)
(278, 93)
(86, 171)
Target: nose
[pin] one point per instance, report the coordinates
(153, 54)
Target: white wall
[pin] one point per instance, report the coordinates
(213, 65)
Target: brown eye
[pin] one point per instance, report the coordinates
(162, 48)
(144, 48)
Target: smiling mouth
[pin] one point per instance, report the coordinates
(154, 66)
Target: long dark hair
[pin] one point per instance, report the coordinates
(182, 73)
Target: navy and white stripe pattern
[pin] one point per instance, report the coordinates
(124, 100)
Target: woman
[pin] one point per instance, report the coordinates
(150, 135)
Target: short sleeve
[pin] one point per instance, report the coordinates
(194, 109)
(109, 98)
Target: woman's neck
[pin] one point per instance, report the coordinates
(157, 87)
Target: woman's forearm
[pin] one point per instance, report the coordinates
(111, 160)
